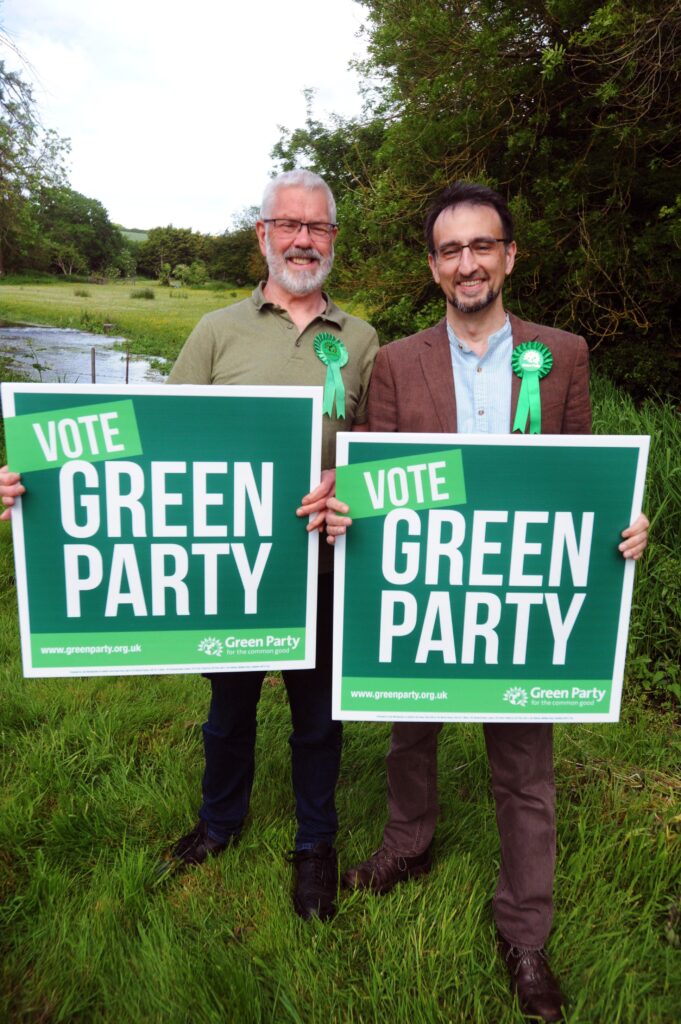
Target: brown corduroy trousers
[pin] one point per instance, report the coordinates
(521, 763)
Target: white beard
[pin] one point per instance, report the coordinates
(297, 282)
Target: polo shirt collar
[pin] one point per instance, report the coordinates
(331, 313)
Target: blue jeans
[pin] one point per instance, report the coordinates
(229, 742)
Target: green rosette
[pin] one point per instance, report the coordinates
(530, 361)
(334, 355)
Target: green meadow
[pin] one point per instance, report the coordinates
(99, 776)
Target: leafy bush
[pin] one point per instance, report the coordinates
(655, 631)
(194, 275)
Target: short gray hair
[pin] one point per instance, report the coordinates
(299, 178)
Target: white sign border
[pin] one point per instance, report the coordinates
(343, 442)
(214, 391)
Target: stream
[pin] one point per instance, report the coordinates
(61, 355)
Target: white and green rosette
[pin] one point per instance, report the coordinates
(530, 361)
(334, 355)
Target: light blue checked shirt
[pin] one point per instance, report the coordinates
(483, 386)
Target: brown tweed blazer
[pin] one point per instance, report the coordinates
(412, 385)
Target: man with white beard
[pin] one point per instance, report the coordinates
(273, 337)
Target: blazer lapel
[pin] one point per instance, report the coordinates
(436, 363)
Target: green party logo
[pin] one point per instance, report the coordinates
(516, 696)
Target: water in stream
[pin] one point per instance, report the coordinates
(61, 355)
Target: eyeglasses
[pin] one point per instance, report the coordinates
(478, 247)
(319, 230)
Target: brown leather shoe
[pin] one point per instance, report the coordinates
(384, 869)
(539, 994)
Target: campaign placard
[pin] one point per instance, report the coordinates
(158, 533)
(481, 578)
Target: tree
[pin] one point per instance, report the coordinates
(167, 245)
(127, 261)
(72, 222)
(66, 257)
(571, 109)
(30, 159)
(235, 255)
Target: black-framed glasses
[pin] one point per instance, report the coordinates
(478, 247)
(290, 228)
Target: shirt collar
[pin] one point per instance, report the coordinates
(331, 312)
(494, 341)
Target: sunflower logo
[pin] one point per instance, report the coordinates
(211, 646)
(516, 696)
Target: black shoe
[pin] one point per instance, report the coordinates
(194, 848)
(316, 882)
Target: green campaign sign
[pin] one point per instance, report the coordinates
(481, 580)
(158, 533)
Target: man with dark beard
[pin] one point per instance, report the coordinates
(457, 376)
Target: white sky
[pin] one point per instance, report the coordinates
(172, 107)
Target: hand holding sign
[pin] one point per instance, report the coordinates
(635, 538)
(11, 488)
(315, 503)
(337, 519)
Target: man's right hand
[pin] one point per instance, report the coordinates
(337, 519)
(10, 488)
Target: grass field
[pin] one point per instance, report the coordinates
(98, 776)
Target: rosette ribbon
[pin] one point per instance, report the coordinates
(530, 361)
(334, 355)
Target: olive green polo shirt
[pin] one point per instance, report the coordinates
(256, 342)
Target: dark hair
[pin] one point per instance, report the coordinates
(467, 192)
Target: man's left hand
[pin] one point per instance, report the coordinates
(314, 503)
(635, 538)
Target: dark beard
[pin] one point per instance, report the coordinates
(475, 307)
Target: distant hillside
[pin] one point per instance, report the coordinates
(134, 234)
